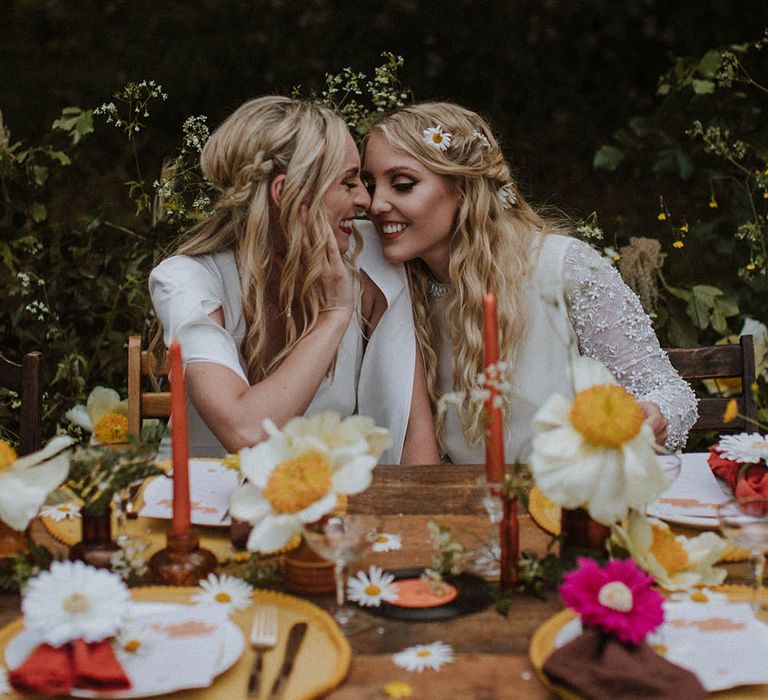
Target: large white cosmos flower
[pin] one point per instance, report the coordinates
(104, 416)
(296, 475)
(745, 447)
(75, 601)
(595, 451)
(678, 563)
(26, 481)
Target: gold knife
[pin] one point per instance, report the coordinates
(295, 638)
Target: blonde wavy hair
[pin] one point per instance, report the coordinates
(264, 138)
(492, 245)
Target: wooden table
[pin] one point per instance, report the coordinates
(491, 651)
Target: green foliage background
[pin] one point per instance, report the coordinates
(558, 79)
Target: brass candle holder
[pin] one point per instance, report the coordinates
(182, 562)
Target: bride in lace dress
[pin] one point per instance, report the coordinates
(445, 203)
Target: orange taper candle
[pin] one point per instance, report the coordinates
(180, 524)
(494, 441)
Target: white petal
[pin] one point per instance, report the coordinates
(588, 372)
(272, 533)
(79, 416)
(318, 509)
(248, 504)
(53, 447)
(355, 476)
(257, 463)
(23, 491)
(101, 401)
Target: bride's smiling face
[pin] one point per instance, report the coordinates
(414, 209)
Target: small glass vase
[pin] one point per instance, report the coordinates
(96, 546)
(579, 531)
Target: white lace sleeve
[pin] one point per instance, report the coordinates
(612, 327)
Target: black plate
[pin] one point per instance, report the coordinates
(473, 594)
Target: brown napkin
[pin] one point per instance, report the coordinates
(57, 670)
(599, 666)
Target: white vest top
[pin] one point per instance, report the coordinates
(378, 384)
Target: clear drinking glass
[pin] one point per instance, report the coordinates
(342, 540)
(671, 465)
(745, 523)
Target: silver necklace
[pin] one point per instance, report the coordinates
(436, 289)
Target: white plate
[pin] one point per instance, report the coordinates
(211, 486)
(19, 648)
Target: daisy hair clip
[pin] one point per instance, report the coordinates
(435, 137)
(507, 197)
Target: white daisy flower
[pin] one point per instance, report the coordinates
(25, 482)
(371, 588)
(745, 447)
(135, 640)
(386, 542)
(104, 415)
(75, 601)
(62, 511)
(435, 137)
(596, 450)
(5, 686)
(224, 590)
(678, 563)
(296, 476)
(422, 656)
(480, 136)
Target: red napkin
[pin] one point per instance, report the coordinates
(47, 670)
(96, 666)
(752, 484)
(57, 670)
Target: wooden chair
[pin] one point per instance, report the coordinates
(27, 380)
(143, 403)
(720, 362)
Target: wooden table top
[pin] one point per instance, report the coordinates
(491, 651)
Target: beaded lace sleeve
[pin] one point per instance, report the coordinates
(612, 327)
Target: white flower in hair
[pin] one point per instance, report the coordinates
(437, 138)
(482, 137)
(506, 196)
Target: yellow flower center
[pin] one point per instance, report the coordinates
(424, 653)
(222, 597)
(296, 483)
(111, 428)
(372, 589)
(76, 604)
(437, 138)
(670, 554)
(699, 597)
(132, 646)
(616, 596)
(606, 415)
(7, 455)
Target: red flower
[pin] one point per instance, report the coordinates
(618, 599)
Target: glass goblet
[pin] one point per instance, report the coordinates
(745, 523)
(671, 465)
(342, 540)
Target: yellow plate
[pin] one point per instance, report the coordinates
(322, 664)
(546, 514)
(543, 644)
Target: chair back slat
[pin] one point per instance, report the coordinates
(715, 362)
(144, 403)
(27, 380)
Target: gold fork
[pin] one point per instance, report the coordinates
(263, 638)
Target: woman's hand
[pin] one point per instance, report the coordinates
(336, 287)
(655, 418)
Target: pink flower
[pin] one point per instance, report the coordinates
(618, 599)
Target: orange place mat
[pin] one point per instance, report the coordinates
(543, 644)
(322, 664)
(546, 514)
